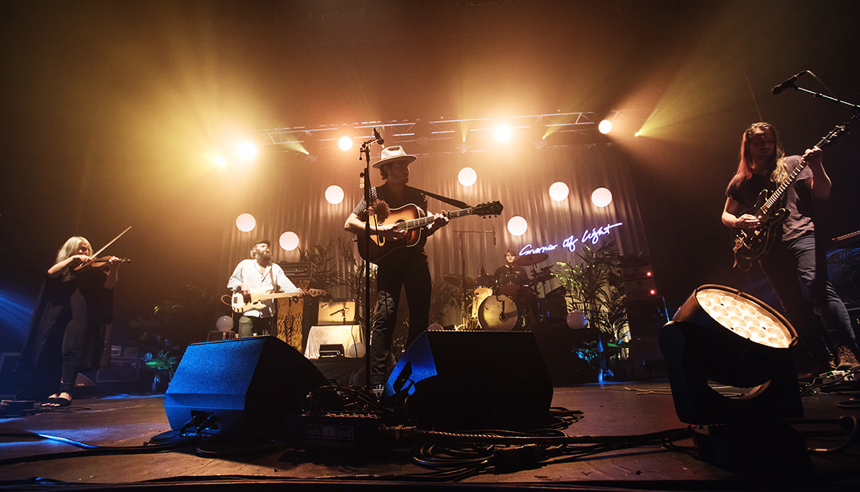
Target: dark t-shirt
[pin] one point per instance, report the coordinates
(797, 199)
(410, 196)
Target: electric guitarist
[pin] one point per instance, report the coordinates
(403, 267)
(783, 242)
(256, 275)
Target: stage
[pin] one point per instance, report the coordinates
(117, 427)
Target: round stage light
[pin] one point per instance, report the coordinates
(601, 197)
(517, 226)
(605, 127)
(334, 194)
(289, 241)
(467, 176)
(558, 191)
(747, 319)
(503, 133)
(344, 143)
(246, 222)
(246, 150)
(224, 323)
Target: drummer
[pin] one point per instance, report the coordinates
(510, 272)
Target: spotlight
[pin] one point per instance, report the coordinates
(246, 150)
(503, 133)
(605, 127)
(724, 335)
(344, 143)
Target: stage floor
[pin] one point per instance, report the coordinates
(606, 410)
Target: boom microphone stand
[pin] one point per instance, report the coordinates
(364, 152)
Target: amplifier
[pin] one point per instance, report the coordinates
(297, 270)
(336, 312)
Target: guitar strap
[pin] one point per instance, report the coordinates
(449, 201)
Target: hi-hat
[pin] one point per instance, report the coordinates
(532, 259)
(457, 280)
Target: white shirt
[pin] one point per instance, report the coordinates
(260, 281)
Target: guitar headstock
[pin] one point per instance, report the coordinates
(831, 137)
(487, 209)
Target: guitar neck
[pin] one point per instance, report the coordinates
(825, 141)
(424, 221)
(280, 295)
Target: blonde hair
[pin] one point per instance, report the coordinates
(71, 247)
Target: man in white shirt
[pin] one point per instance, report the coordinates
(259, 275)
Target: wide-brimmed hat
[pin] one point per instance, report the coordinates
(391, 154)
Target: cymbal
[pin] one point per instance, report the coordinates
(532, 259)
(457, 280)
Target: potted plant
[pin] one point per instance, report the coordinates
(595, 287)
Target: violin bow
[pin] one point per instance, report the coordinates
(96, 254)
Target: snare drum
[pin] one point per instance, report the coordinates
(498, 313)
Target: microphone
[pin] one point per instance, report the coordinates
(378, 137)
(789, 82)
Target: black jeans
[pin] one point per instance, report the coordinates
(412, 272)
(797, 270)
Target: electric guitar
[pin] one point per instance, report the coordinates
(752, 244)
(409, 219)
(240, 303)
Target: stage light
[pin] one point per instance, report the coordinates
(220, 161)
(246, 222)
(334, 194)
(601, 197)
(604, 127)
(467, 176)
(558, 191)
(344, 143)
(289, 241)
(517, 226)
(726, 336)
(246, 150)
(503, 133)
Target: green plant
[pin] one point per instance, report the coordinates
(595, 287)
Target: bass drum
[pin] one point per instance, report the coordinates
(478, 297)
(499, 313)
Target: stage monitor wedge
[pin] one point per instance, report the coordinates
(246, 385)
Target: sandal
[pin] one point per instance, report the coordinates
(63, 402)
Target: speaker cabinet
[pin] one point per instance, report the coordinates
(471, 380)
(246, 385)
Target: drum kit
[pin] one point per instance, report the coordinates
(504, 302)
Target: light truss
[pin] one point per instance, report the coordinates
(453, 131)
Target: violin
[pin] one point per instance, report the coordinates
(102, 262)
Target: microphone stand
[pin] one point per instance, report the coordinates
(364, 152)
(851, 106)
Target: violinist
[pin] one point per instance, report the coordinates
(70, 328)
